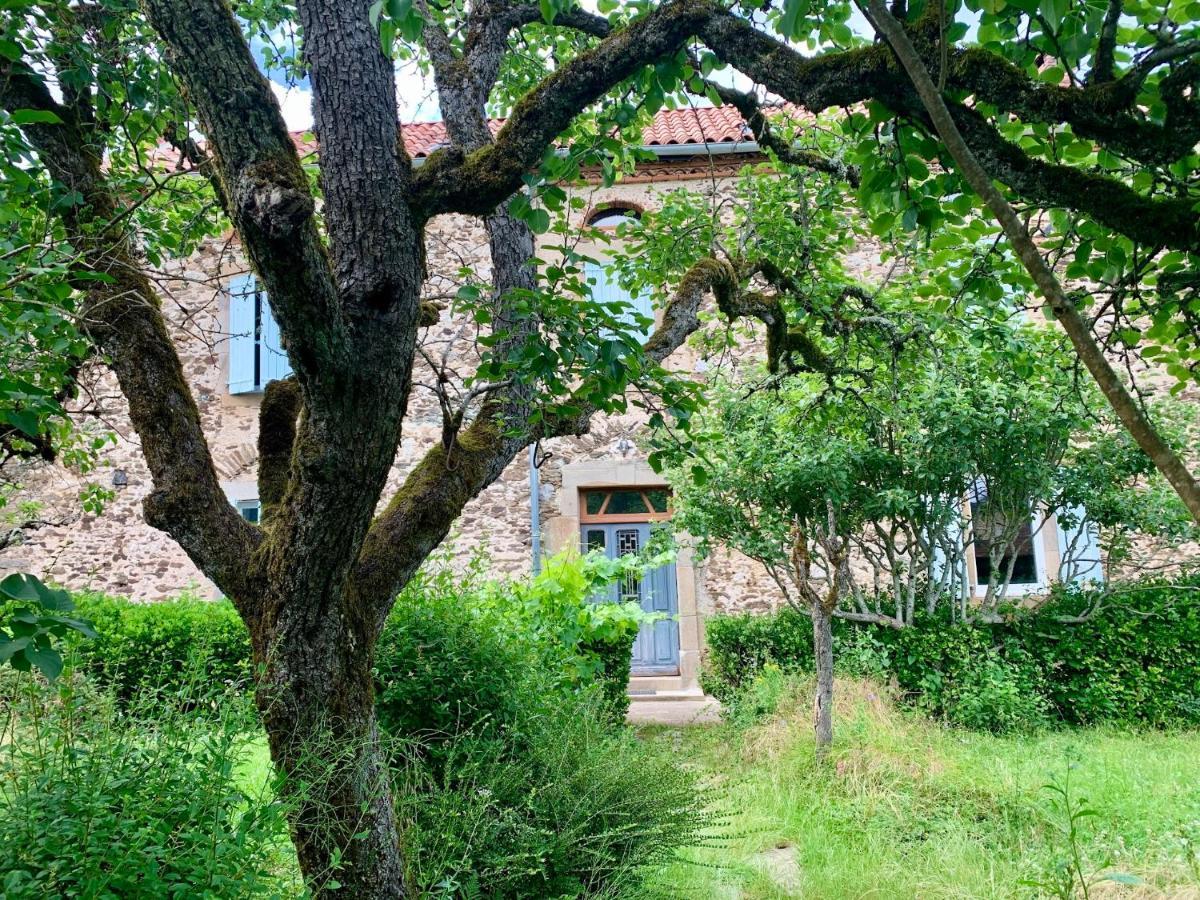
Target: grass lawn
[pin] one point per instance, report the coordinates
(904, 807)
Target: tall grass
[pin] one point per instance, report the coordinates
(905, 807)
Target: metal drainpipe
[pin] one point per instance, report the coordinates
(535, 511)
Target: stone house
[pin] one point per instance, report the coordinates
(597, 491)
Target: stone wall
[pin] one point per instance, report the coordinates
(116, 552)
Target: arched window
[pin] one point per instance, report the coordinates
(613, 215)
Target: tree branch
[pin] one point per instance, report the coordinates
(758, 124)
(1123, 404)
(121, 315)
(364, 170)
(281, 406)
(475, 183)
(1102, 69)
(853, 76)
(269, 200)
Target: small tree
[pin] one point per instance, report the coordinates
(850, 491)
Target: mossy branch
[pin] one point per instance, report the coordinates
(281, 407)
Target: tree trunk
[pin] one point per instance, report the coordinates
(823, 655)
(316, 696)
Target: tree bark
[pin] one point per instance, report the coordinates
(823, 700)
(316, 697)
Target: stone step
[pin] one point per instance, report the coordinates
(668, 696)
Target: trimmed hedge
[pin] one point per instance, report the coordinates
(161, 647)
(164, 647)
(1137, 661)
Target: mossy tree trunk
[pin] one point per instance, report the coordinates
(317, 704)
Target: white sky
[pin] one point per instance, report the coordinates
(417, 99)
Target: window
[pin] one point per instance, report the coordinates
(1000, 541)
(256, 354)
(637, 504)
(613, 216)
(248, 510)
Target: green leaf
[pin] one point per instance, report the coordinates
(47, 660)
(539, 220)
(9, 648)
(21, 587)
(1122, 878)
(1054, 11)
(34, 117)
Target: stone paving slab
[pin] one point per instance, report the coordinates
(674, 712)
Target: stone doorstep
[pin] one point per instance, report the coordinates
(694, 696)
(652, 684)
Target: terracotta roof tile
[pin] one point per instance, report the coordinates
(670, 127)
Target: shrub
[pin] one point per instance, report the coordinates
(580, 809)
(511, 778)
(99, 801)
(447, 664)
(992, 693)
(740, 645)
(158, 647)
(1135, 659)
(593, 640)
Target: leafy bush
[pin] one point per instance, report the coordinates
(578, 809)
(511, 777)
(992, 693)
(1137, 660)
(157, 647)
(447, 664)
(99, 800)
(33, 620)
(1134, 659)
(596, 638)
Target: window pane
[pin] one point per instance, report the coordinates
(595, 539)
(249, 510)
(594, 502)
(628, 543)
(659, 497)
(626, 503)
(1024, 569)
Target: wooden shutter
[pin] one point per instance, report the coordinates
(275, 363)
(1083, 542)
(243, 340)
(606, 289)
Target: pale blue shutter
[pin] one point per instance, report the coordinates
(607, 289)
(243, 337)
(275, 362)
(941, 568)
(1083, 541)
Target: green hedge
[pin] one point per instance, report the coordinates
(164, 647)
(145, 647)
(1136, 661)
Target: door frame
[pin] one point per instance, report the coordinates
(563, 531)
